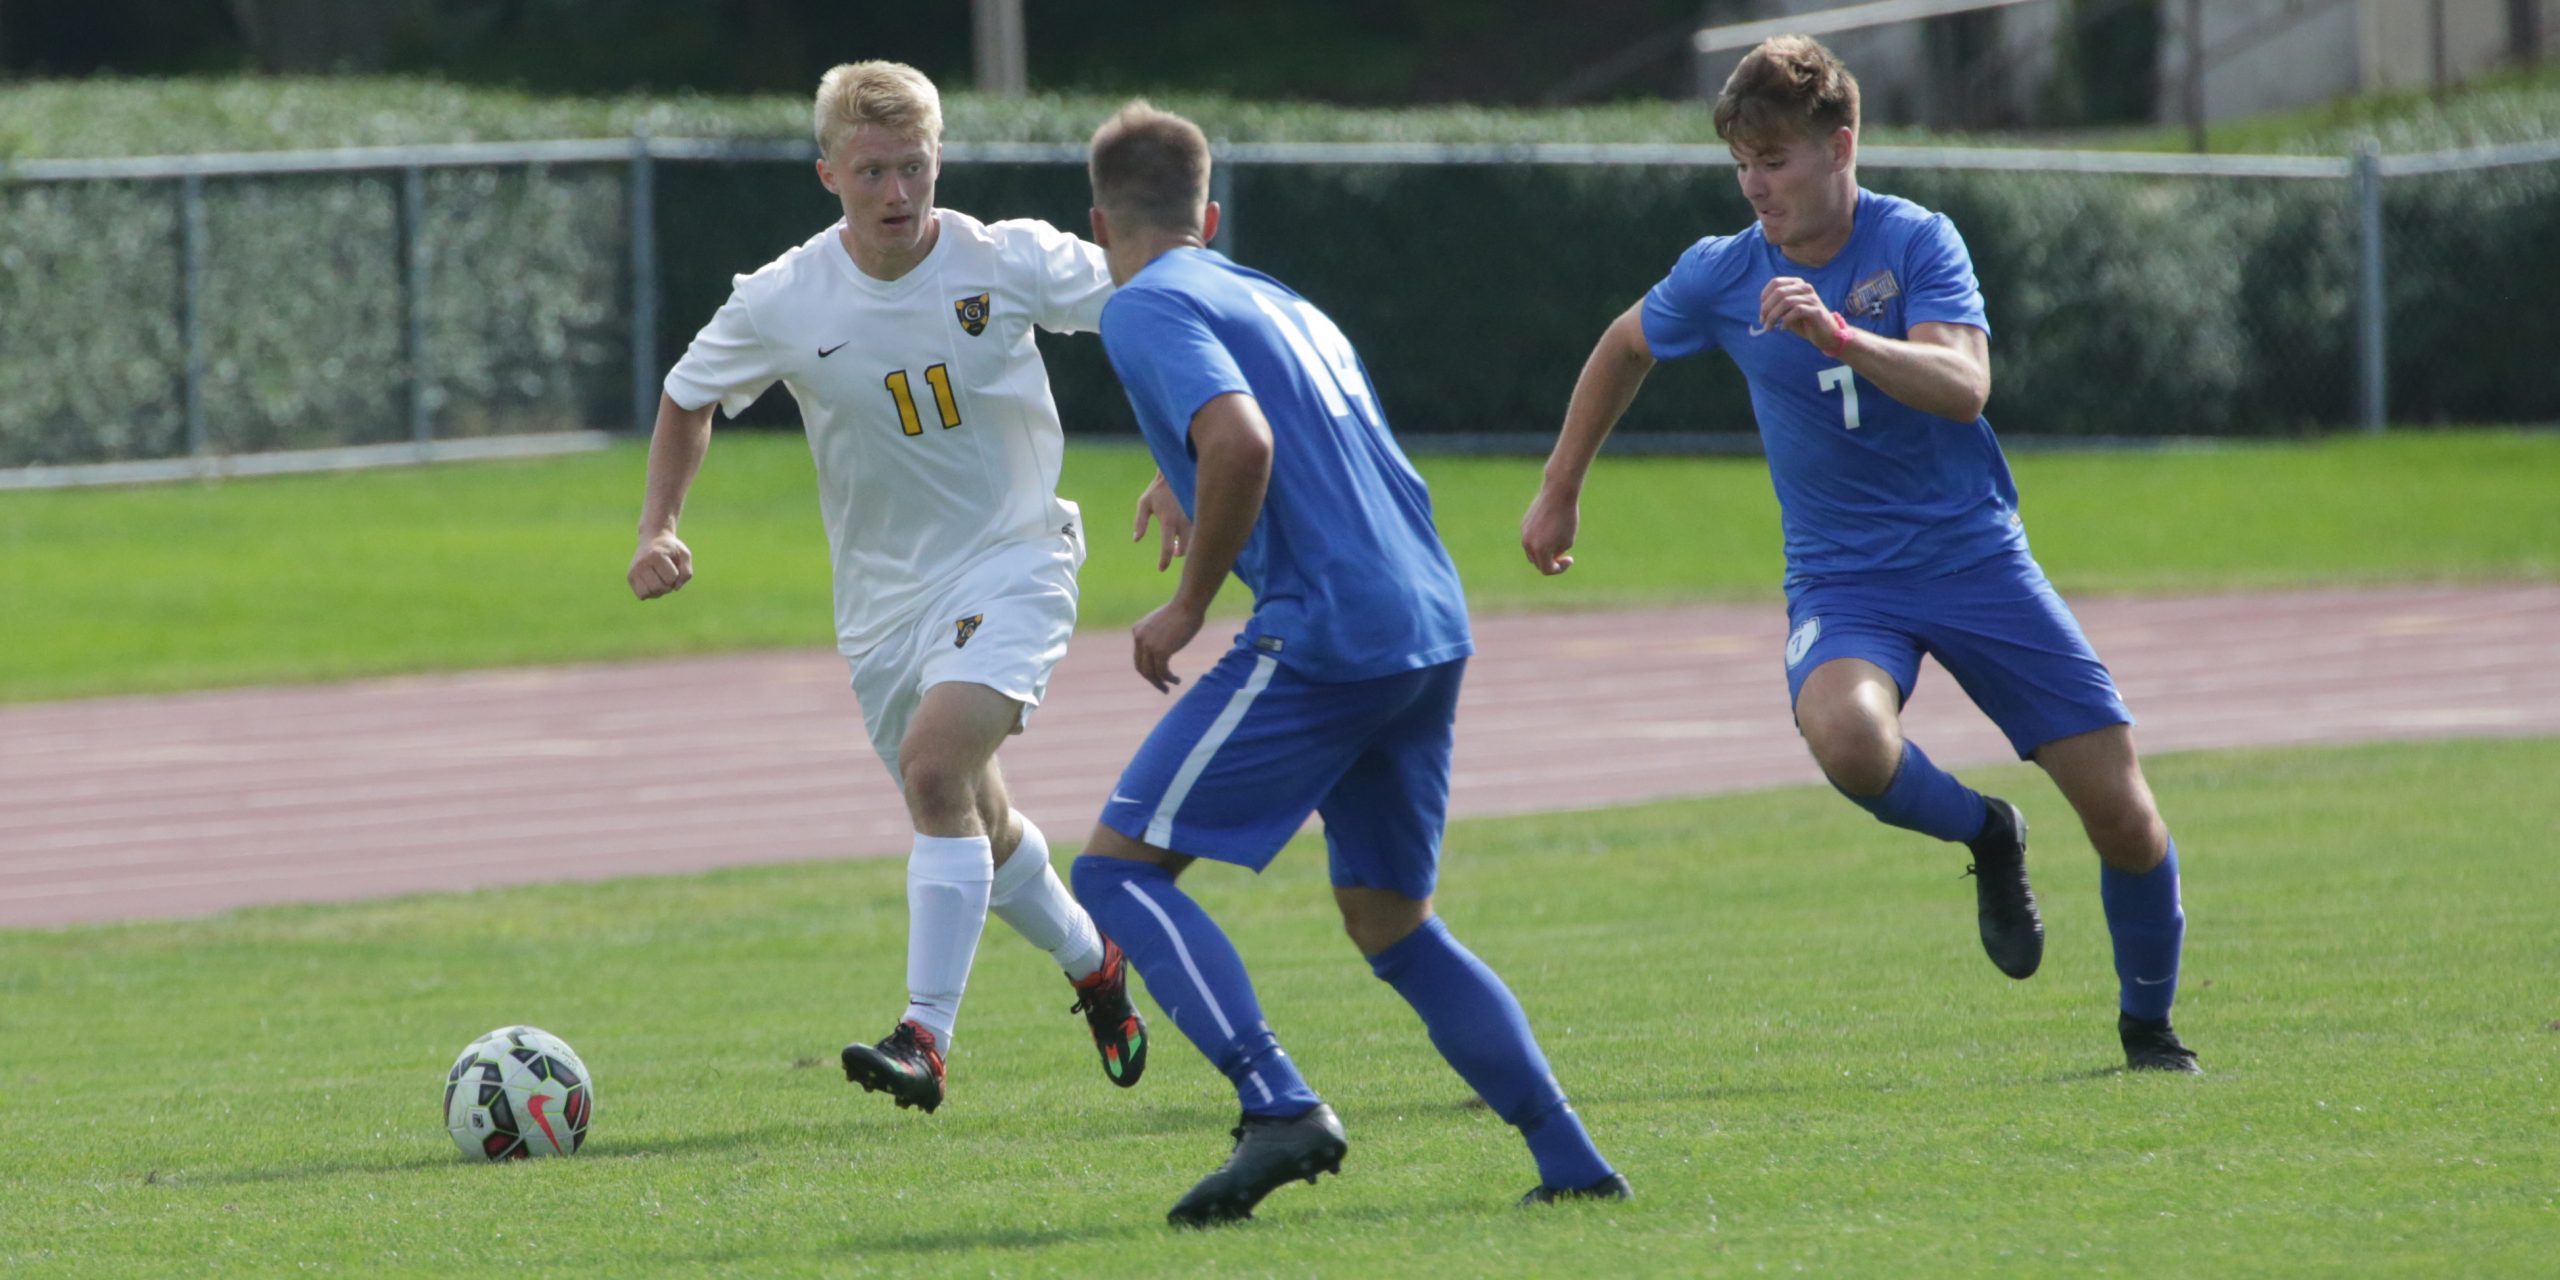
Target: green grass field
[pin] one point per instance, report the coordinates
(474, 565)
(1770, 1009)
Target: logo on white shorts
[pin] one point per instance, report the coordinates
(1802, 641)
(965, 628)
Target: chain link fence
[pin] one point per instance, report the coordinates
(220, 314)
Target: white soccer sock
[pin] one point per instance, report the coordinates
(1029, 896)
(948, 879)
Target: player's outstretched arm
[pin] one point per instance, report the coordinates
(1158, 503)
(1609, 381)
(1232, 441)
(662, 562)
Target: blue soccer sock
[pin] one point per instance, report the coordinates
(1478, 1026)
(2149, 926)
(1195, 974)
(1925, 798)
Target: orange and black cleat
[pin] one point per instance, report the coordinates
(907, 1066)
(1118, 1032)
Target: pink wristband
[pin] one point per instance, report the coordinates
(1840, 326)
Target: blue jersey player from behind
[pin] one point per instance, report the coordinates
(1338, 698)
(1859, 328)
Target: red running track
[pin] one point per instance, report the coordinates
(175, 806)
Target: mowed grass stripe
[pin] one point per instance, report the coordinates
(1771, 1010)
(465, 566)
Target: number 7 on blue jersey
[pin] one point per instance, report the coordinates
(1838, 378)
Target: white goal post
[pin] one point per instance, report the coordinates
(1877, 13)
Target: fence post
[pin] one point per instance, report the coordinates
(413, 301)
(2372, 324)
(1222, 189)
(191, 249)
(644, 284)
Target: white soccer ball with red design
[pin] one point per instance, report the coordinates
(518, 1092)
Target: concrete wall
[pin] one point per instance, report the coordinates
(1901, 82)
(2272, 55)
(2260, 55)
(2398, 43)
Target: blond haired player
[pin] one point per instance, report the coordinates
(904, 331)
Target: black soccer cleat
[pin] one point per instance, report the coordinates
(2151, 1046)
(1613, 1187)
(1269, 1152)
(907, 1066)
(1118, 1032)
(2004, 904)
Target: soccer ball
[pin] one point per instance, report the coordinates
(518, 1092)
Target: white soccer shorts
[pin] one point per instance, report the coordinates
(1002, 623)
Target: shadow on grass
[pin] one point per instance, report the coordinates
(330, 1170)
(614, 1150)
(911, 1245)
(2092, 1073)
(926, 1242)
(1293, 1214)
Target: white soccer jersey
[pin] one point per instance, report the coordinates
(926, 404)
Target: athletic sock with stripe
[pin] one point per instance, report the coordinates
(1194, 973)
(1477, 1025)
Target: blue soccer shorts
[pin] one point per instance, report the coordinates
(1999, 628)
(1233, 770)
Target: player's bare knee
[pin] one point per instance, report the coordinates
(936, 791)
(2131, 838)
(1376, 919)
(1372, 936)
(1004, 827)
(1107, 842)
(1856, 755)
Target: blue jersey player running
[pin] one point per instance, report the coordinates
(1338, 697)
(1859, 328)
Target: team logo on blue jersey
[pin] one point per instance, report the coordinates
(1801, 642)
(1872, 293)
(966, 627)
(973, 313)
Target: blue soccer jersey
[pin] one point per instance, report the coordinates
(1866, 485)
(1350, 581)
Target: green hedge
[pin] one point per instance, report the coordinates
(106, 116)
(526, 322)
(2120, 306)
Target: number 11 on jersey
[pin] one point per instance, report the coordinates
(1838, 378)
(937, 377)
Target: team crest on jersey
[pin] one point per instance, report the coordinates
(965, 628)
(1872, 293)
(973, 313)
(1801, 643)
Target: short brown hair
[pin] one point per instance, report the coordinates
(1150, 166)
(893, 95)
(1787, 85)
